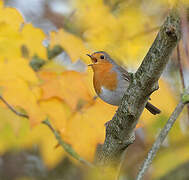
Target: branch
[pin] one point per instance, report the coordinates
(185, 32)
(64, 145)
(180, 67)
(162, 135)
(181, 73)
(120, 130)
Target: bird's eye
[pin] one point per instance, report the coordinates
(102, 57)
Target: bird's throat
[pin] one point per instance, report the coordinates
(104, 76)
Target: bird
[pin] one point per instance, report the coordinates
(111, 80)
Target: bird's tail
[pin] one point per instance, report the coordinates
(154, 110)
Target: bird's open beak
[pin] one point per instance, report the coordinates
(92, 58)
(89, 55)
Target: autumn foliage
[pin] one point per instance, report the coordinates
(66, 96)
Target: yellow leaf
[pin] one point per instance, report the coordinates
(85, 130)
(163, 99)
(33, 39)
(17, 93)
(16, 68)
(57, 111)
(11, 17)
(73, 45)
(13, 36)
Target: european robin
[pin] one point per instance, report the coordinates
(111, 80)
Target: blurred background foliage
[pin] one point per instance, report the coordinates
(43, 72)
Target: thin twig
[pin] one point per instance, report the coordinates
(185, 30)
(180, 67)
(64, 145)
(181, 73)
(12, 109)
(162, 135)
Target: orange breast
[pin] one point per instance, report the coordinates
(104, 76)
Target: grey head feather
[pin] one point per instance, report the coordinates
(124, 73)
(106, 56)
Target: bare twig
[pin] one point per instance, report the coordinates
(180, 66)
(12, 109)
(64, 145)
(185, 30)
(162, 135)
(181, 72)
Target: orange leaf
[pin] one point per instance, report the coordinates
(70, 87)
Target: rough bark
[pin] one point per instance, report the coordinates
(120, 130)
